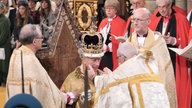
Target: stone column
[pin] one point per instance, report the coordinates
(189, 4)
(150, 4)
(182, 4)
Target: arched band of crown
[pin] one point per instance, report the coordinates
(93, 46)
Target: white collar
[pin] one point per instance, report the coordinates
(110, 19)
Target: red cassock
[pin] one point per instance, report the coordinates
(180, 10)
(190, 34)
(128, 27)
(183, 82)
(117, 28)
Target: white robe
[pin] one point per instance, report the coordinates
(132, 86)
(37, 81)
(156, 43)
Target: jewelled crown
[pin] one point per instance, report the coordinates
(92, 43)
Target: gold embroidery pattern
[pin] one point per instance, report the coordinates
(78, 73)
(28, 80)
(148, 54)
(139, 91)
(131, 80)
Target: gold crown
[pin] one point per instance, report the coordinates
(92, 43)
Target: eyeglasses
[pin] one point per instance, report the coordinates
(109, 8)
(121, 57)
(138, 19)
(39, 37)
(163, 7)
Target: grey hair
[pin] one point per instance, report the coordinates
(127, 49)
(168, 1)
(28, 33)
(114, 3)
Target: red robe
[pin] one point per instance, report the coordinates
(190, 38)
(180, 10)
(190, 9)
(189, 15)
(190, 35)
(126, 27)
(117, 28)
(183, 84)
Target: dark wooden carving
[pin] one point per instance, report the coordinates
(61, 57)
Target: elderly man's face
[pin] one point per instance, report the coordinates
(94, 62)
(137, 4)
(164, 8)
(38, 40)
(140, 22)
(121, 59)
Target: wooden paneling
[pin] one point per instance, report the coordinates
(65, 59)
(61, 57)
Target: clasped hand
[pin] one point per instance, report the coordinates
(170, 40)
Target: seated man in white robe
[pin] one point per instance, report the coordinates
(136, 83)
(36, 80)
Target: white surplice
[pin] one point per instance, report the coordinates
(36, 80)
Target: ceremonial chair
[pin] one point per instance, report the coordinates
(23, 101)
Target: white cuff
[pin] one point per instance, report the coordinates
(72, 97)
(96, 80)
(110, 47)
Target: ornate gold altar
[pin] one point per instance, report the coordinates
(83, 10)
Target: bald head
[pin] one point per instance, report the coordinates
(145, 12)
(127, 49)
